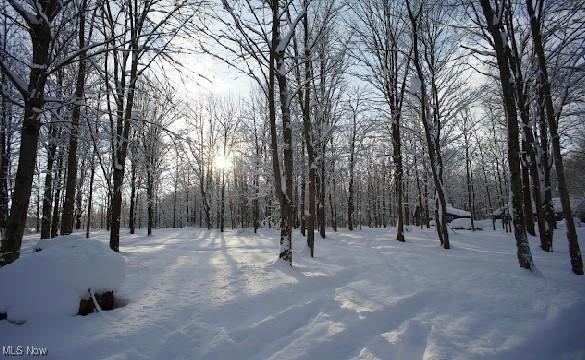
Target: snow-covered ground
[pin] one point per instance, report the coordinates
(197, 294)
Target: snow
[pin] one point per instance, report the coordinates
(465, 223)
(49, 283)
(283, 43)
(197, 294)
(457, 212)
(576, 204)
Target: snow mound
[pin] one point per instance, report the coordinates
(51, 282)
(457, 212)
(465, 223)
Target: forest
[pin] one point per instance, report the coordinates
(294, 137)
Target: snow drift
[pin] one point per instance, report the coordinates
(50, 283)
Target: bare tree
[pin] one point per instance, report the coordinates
(495, 26)
(380, 30)
(136, 46)
(574, 251)
(39, 24)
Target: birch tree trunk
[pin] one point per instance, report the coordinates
(286, 193)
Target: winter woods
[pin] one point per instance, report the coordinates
(365, 113)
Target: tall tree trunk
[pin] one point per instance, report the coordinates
(222, 214)
(150, 200)
(431, 135)
(529, 164)
(57, 203)
(256, 200)
(5, 131)
(79, 195)
(48, 191)
(495, 29)
(332, 206)
(287, 195)
(574, 251)
(283, 192)
(308, 137)
(34, 100)
(397, 154)
(303, 195)
(175, 207)
(5, 145)
(468, 178)
(205, 202)
(526, 190)
(426, 190)
(545, 166)
(132, 211)
(70, 187)
(109, 213)
(38, 186)
(90, 195)
(350, 198)
(120, 149)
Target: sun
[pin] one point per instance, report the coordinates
(223, 163)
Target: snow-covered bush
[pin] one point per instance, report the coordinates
(51, 282)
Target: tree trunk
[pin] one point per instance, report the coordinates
(529, 162)
(5, 138)
(321, 205)
(303, 191)
(204, 201)
(468, 177)
(526, 191)
(34, 101)
(283, 192)
(544, 165)
(332, 206)
(256, 201)
(132, 211)
(70, 187)
(431, 135)
(57, 202)
(397, 153)
(222, 211)
(48, 191)
(90, 195)
(79, 195)
(495, 29)
(109, 212)
(150, 200)
(120, 150)
(574, 251)
(350, 198)
(308, 137)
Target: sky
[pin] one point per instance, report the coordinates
(209, 75)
